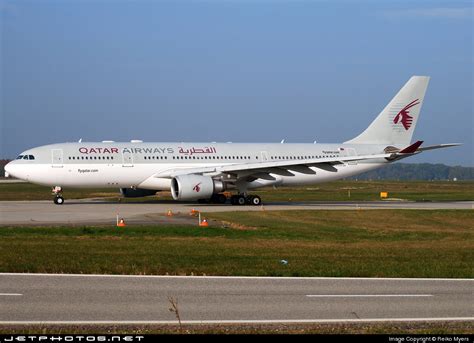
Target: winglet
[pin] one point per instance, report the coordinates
(412, 148)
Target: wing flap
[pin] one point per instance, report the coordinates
(302, 169)
(326, 167)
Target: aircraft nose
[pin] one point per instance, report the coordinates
(8, 170)
(11, 169)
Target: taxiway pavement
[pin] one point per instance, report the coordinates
(90, 212)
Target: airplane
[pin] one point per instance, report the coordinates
(204, 171)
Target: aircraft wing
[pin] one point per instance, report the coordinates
(263, 169)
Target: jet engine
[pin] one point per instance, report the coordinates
(136, 192)
(194, 187)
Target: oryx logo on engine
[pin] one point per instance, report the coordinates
(403, 115)
(197, 188)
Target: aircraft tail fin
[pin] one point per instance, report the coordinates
(397, 121)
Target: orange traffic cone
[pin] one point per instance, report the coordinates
(193, 212)
(204, 222)
(121, 223)
(170, 213)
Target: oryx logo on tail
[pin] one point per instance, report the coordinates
(403, 115)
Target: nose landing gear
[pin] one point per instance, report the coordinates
(58, 196)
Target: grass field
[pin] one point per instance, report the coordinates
(333, 191)
(382, 243)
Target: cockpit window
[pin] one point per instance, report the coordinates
(26, 157)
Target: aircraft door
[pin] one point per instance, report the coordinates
(57, 158)
(264, 156)
(127, 159)
(351, 152)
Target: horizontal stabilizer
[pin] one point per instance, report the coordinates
(439, 146)
(415, 149)
(412, 148)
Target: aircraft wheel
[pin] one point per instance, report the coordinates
(238, 200)
(59, 200)
(254, 200)
(241, 200)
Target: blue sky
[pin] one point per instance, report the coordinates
(241, 71)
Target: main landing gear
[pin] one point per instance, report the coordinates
(58, 196)
(241, 199)
(238, 199)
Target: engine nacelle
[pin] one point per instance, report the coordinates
(194, 187)
(136, 192)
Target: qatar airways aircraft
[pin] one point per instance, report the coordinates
(203, 171)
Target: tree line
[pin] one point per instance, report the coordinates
(418, 171)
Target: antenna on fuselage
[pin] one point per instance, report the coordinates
(282, 141)
(80, 140)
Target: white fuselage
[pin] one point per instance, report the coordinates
(139, 165)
